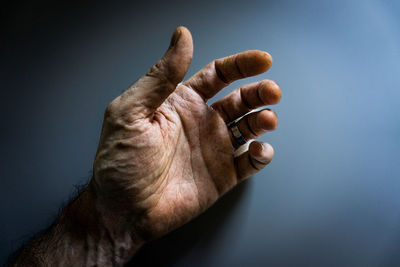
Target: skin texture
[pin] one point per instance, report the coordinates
(165, 155)
(173, 157)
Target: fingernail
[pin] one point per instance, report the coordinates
(175, 38)
(262, 146)
(267, 152)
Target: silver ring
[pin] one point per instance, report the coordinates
(236, 133)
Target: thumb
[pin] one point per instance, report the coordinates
(161, 80)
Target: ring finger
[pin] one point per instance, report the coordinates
(253, 125)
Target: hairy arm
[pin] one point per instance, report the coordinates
(82, 235)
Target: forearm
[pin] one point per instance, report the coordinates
(81, 236)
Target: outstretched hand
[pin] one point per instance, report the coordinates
(165, 155)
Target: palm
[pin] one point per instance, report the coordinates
(168, 152)
(195, 162)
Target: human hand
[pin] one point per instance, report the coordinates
(165, 155)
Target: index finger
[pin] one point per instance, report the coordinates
(221, 72)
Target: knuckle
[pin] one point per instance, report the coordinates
(156, 71)
(118, 115)
(111, 108)
(163, 73)
(252, 127)
(156, 68)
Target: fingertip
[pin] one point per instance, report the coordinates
(256, 149)
(185, 33)
(178, 57)
(183, 29)
(267, 120)
(263, 59)
(268, 150)
(267, 60)
(254, 62)
(255, 159)
(262, 152)
(270, 92)
(181, 38)
(175, 37)
(183, 48)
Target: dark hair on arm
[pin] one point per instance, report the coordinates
(17, 258)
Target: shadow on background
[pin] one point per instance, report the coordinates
(169, 249)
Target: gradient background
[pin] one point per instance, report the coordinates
(331, 196)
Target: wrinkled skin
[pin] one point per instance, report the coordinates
(165, 155)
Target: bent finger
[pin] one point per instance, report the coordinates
(255, 124)
(253, 160)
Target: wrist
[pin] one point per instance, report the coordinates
(87, 218)
(83, 235)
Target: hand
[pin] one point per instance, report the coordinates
(164, 155)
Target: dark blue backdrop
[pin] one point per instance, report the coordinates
(331, 196)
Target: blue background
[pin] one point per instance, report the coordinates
(330, 197)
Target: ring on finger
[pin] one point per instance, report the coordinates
(237, 135)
